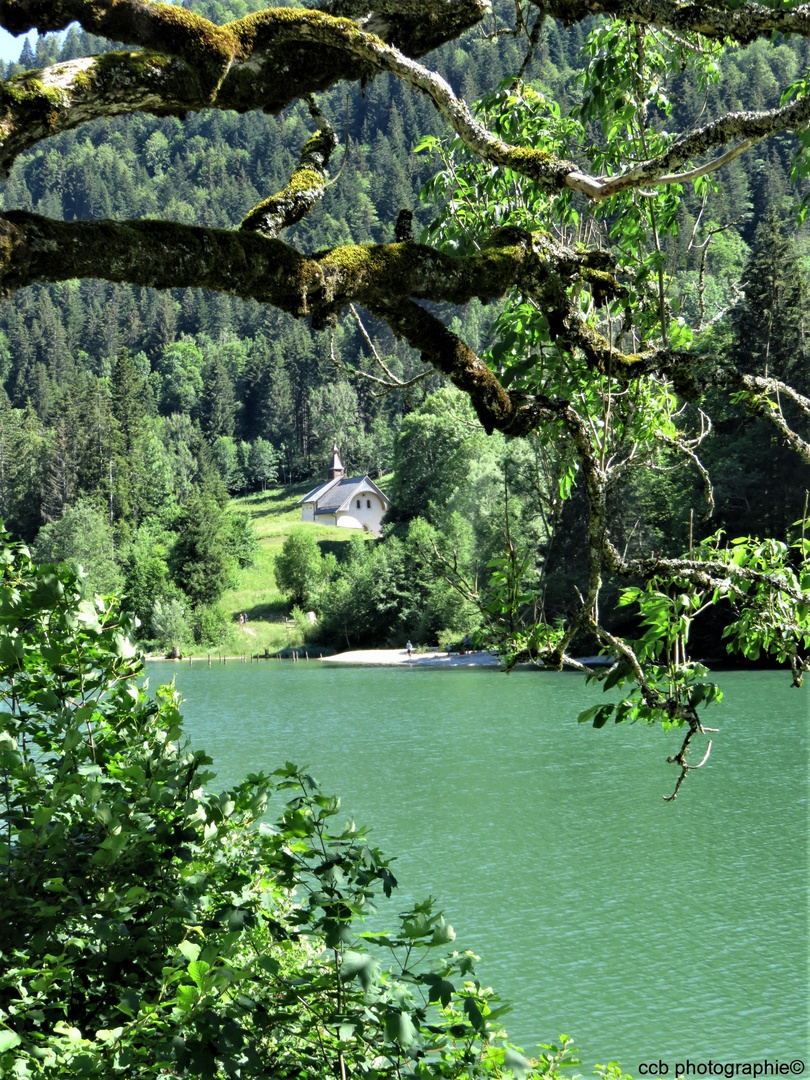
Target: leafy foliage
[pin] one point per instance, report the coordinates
(152, 927)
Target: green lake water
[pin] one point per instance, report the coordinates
(648, 930)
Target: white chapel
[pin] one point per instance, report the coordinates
(349, 502)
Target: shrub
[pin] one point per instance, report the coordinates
(151, 927)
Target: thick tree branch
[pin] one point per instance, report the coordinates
(163, 28)
(743, 25)
(417, 26)
(496, 409)
(41, 104)
(306, 185)
(273, 57)
(386, 279)
(168, 255)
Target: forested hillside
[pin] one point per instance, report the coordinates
(127, 414)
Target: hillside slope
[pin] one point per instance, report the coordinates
(274, 515)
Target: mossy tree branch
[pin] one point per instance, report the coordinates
(747, 127)
(268, 59)
(387, 279)
(743, 25)
(305, 187)
(41, 104)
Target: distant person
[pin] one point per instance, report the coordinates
(409, 647)
(466, 643)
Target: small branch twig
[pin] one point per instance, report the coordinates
(390, 382)
(680, 759)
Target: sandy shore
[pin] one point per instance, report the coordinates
(397, 657)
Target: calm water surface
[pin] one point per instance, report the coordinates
(646, 929)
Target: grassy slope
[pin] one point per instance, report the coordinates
(274, 515)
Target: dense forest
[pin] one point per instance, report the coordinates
(127, 415)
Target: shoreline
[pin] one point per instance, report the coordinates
(376, 658)
(358, 657)
(400, 658)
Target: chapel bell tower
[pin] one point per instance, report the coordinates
(336, 468)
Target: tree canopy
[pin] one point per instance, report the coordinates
(565, 215)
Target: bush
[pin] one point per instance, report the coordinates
(169, 624)
(82, 538)
(210, 625)
(151, 927)
(299, 567)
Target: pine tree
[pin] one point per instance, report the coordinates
(129, 415)
(58, 485)
(26, 474)
(771, 326)
(200, 562)
(218, 401)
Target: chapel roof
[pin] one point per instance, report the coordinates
(334, 495)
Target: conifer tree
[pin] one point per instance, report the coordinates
(60, 476)
(218, 404)
(771, 325)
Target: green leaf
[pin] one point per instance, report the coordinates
(440, 989)
(474, 1014)
(517, 1063)
(443, 934)
(587, 715)
(427, 142)
(189, 949)
(400, 1029)
(360, 966)
(9, 1039)
(198, 969)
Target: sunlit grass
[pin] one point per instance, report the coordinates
(274, 514)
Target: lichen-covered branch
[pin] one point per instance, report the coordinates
(742, 24)
(189, 63)
(305, 187)
(706, 574)
(748, 127)
(761, 395)
(763, 399)
(418, 26)
(42, 104)
(387, 279)
(273, 57)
